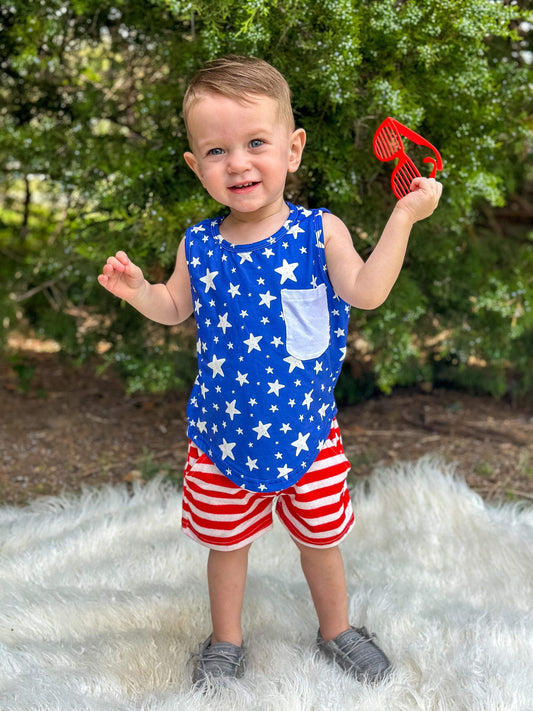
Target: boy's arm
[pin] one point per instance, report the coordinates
(169, 303)
(366, 285)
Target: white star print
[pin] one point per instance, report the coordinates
(227, 449)
(253, 342)
(301, 443)
(295, 230)
(284, 472)
(322, 411)
(223, 323)
(252, 464)
(232, 410)
(245, 257)
(275, 387)
(234, 290)
(262, 429)
(294, 363)
(308, 399)
(266, 299)
(208, 280)
(216, 366)
(242, 378)
(286, 271)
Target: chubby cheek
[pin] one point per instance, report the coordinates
(204, 175)
(212, 180)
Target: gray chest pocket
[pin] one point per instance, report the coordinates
(306, 317)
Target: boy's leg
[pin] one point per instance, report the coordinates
(226, 576)
(324, 571)
(222, 653)
(353, 649)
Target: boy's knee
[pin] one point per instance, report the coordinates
(311, 551)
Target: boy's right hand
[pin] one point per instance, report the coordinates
(121, 277)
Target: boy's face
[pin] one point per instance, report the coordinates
(242, 152)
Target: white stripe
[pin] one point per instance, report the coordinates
(318, 520)
(205, 468)
(321, 484)
(317, 503)
(231, 490)
(229, 517)
(308, 533)
(331, 544)
(225, 547)
(317, 465)
(224, 534)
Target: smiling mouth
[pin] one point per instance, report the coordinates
(243, 187)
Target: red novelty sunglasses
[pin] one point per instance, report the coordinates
(388, 145)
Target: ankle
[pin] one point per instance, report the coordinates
(235, 639)
(330, 632)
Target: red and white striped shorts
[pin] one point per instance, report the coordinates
(316, 511)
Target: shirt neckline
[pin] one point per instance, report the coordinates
(230, 247)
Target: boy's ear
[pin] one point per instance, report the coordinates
(296, 148)
(192, 163)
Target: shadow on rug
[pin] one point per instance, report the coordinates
(103, 600)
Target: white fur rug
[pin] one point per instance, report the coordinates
(103, 599)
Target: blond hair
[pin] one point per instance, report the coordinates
(240, 78)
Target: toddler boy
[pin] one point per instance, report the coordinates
(270, 285)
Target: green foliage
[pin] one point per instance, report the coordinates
(148, 468)
(353, 388)
(91, 143)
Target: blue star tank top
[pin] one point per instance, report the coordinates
(271, 339)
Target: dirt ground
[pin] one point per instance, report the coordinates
(68, 428)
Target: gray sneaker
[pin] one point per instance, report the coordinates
(221, 659)
(355, 651)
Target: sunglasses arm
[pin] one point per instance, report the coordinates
(417, 138)
(436, 161)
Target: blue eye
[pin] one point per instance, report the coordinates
(215, 152)
(256, 143)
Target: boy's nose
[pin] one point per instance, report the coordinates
(238, 162)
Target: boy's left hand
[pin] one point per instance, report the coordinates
(423, 199)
